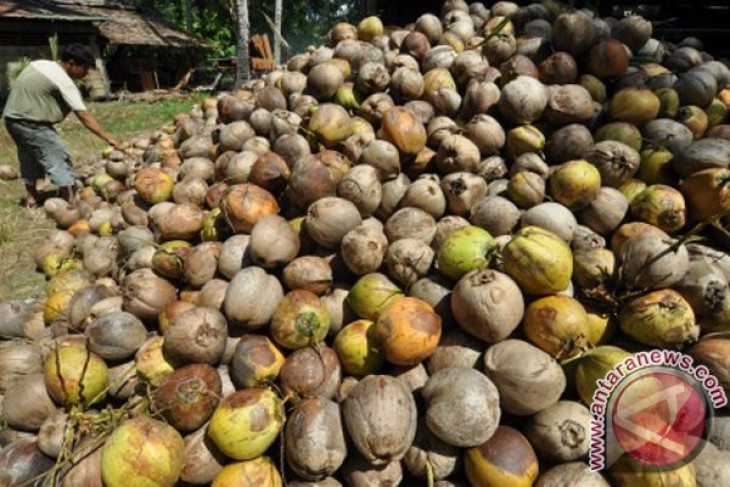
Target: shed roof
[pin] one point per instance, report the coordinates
(117, 21)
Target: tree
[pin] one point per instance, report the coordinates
(188, 15)
(243, 61)
(277, 33)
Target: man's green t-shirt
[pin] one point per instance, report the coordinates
(43, 92)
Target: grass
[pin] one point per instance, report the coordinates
(21, 230)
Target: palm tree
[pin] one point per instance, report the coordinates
(243, 64)
(277, 33)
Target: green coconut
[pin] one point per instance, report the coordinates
(538, 260)
(661, 318)
(246, 423)
(464, 250)
(371, 294)
(142, 452)
(593, 366)
(357, 348)
(75, 376)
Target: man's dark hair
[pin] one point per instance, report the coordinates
(79, 54)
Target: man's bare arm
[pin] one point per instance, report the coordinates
(91, 123)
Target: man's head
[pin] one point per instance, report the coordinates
(76, 59)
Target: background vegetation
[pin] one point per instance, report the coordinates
(304, 22)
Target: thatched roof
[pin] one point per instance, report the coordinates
(117, 21)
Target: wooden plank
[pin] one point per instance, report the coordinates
(260, 64)
(268, 54)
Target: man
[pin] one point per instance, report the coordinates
(44, 94)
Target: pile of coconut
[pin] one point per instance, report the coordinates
(405, 258)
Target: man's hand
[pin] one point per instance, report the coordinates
(90, 122)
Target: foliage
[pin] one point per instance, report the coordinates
(304, 22)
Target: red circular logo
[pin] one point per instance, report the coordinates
(659, 417)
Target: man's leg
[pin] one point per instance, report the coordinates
(49, 150)
(30, 169)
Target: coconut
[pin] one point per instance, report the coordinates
(569, 104)
(457, 153)
(486, 133)
(528, 256)
(462, 406)
(479, 98)
(146, 295)
(371, 294)
(568, 143)
(558, 69)
(246, 423)
(406, 84)
(245, 204)
(573, 32)
(310, 372)
(701, 154)
(606, 212)
(634, 105)
(197, 335)
(300, 319)
(464, 250)
(359, 472)
(526, 189)
(188, 397)
(593, 366)
(430, 457)
(22, 462)
(496, 215)
(523, 100)
(153, 185)
(256, 361)
(711, 352)
(410, 223)
(408, 260)
(18, 361)
(561, 433)
(696, 87)
(669, 133)
(75, 376)
(662, 319)
(617, 162)
(274, 242)
(27, 403)
(357, 348)
(315, 421)
(571, 474)
(380, 416)
(463, 190)
(116, 336)
(552, 217)
(323, 80)
(609, 59)
(506, 456)
(363, 249)
(271, 172)
(524, 390)
(487, 304)
(426, 194)
(660, 205)
(651, 261)
(575, 184)
(362, 187)
(402, 128)
(12, 316)
(251, 298)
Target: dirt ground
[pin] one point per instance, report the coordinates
(22, 230)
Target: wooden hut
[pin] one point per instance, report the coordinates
(135, 49)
